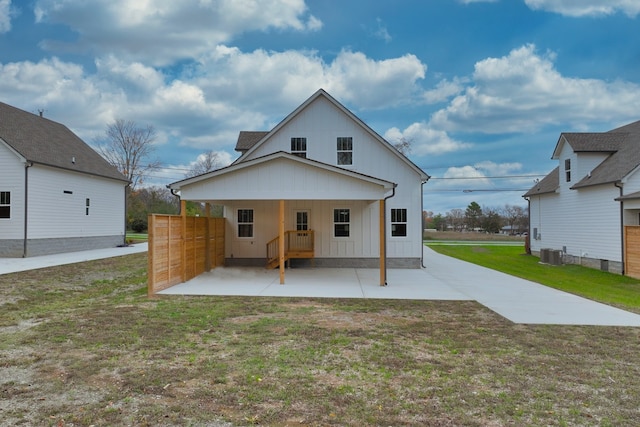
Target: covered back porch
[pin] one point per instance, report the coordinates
(269, 203)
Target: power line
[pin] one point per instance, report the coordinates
(487, 177)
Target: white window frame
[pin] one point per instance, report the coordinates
(5, 202)
(398, 218)
(344, 147)
(338, 214)
(242, 221)
(87, 205)
(299, 146)
(567, 170)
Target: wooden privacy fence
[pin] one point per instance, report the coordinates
(632, 251)
(181, 248)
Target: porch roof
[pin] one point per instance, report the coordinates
(282, 176)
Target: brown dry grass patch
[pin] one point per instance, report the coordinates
(82, 345)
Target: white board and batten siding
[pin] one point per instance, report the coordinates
(321, 123)
(56, 193)
(12, 180)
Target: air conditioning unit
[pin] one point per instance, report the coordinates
(555, 257)
(544, 255)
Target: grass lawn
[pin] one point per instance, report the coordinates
(82, 345)
(137, 237)
(597, 285)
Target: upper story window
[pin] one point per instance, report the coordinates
(567, 170)
(341, 222)
(399, 222)
(5, 204)
(299, 147)
(245, 222)
(345, 150)
(87, 205)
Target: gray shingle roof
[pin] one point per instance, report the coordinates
(248, 139)
(548, 184)
(622, 144)
(43, 141)
(621, 162)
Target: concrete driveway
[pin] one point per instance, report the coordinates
(444, 278)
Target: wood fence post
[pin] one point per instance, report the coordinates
(281, 241)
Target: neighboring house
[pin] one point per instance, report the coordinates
(322, 174)
(56, 193)
(586, 204)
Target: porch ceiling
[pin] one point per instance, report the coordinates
(282, 176)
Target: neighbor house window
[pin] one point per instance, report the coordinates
(567, 170)
(87, 205)
(299, 147)
(245, 222)
(345, 150)
(5, 204)
(399, 222)
(341, 222)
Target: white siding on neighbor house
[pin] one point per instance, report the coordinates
(12, 180)
(585, 163)
(322, 123)
(585, 221)
(364, 216)
(56, 214)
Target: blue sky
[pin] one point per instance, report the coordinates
(482, 89)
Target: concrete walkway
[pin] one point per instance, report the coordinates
(444, 278)
(14, 265)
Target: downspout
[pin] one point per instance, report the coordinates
(384, 226)
(422, 223)
(528, 238)
(622, 254)
(173, 192)
(27, 165)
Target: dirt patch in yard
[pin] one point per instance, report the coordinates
(82, 345)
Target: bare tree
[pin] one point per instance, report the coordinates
(128, 147)
(206, 162)
(403, 145)
(455, 218)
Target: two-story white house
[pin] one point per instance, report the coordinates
(587, 206)
(56, 193)
(340, 193)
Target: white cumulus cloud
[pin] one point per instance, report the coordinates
(579, 8)
(523, 91)
(161, 32)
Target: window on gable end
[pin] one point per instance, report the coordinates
(299, 147)
(567, 170)
(345, 150)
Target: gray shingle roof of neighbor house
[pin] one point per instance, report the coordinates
(548, 184)
(43, 141)
(621, 144)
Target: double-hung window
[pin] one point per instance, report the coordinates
(87, 205)
(245, 222)
(341, 222)
(5, 205)
(567, 170)
(345, 150)
(399, 222)
(299, 147)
